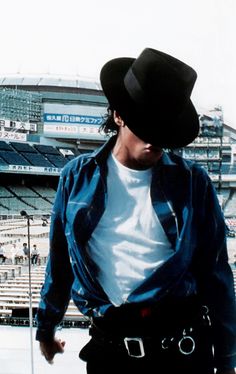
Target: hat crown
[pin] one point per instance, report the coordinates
(158, 77)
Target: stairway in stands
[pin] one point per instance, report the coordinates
(15, 300)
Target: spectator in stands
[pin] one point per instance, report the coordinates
(138, 237)
(26, 252)
(45, 220)
(34, 255)
(25, 249)
(3, 256)
(13, 252)
(19, 256)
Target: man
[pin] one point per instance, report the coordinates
(19, 256)
(25, 249)
(2, 254)
(26, 252)
(138, 237)
(34, 255)
(13, 252)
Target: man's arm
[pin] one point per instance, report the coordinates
(56, 291)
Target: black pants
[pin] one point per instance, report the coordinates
(169, 365)
(106, 352)
(34, 259)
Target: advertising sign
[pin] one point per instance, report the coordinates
(17, 136)
(73, 121)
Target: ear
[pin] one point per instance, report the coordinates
(117, 119)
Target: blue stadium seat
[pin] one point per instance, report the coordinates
(37, 159)
(13, 158)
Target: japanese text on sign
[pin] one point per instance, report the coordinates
(72, 118)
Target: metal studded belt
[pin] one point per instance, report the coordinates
(182, 339)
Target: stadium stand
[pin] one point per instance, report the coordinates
(30, 192)
(46, 149)
(24, 200)
(16, 197)
(230, 206)
(57, 160)
(15, 153)
(38, 199)
(57, 157)
(45, 192)
(37, 159)
(223, 197)
(15, 302)
(30, 197)
(13, 158)
(23, 147)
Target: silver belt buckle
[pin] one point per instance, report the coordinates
(134, 345)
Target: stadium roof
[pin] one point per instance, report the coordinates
(49, 80)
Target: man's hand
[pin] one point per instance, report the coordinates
(50, 348)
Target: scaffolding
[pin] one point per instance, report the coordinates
(207, 148)
(20, 105)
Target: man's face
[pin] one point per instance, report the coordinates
(134, 152)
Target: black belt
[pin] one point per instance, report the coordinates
(183, 341)
(179, 335)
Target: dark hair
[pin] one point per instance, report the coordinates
(109, 127)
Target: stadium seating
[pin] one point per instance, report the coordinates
(14, 297)
(46, 149)
(15, 198)
(56, 160)
(229, 209)
(13, 158)
(37, 159)
(15, 153)
(26, 193)
(46, 192)
(4, 146)
(23, 147)
(37, 198)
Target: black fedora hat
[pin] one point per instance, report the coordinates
(152, 95)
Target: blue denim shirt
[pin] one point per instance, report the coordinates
(185, 201)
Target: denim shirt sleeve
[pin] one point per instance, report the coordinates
(215, 276)
(55, 293)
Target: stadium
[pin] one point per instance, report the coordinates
(45, 122)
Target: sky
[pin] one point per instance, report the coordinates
(76, 37)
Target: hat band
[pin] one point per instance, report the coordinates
(133, 87)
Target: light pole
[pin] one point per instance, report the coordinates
(28, 217)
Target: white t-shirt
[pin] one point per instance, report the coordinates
(129, 242)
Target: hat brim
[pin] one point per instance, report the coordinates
(148, 123)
